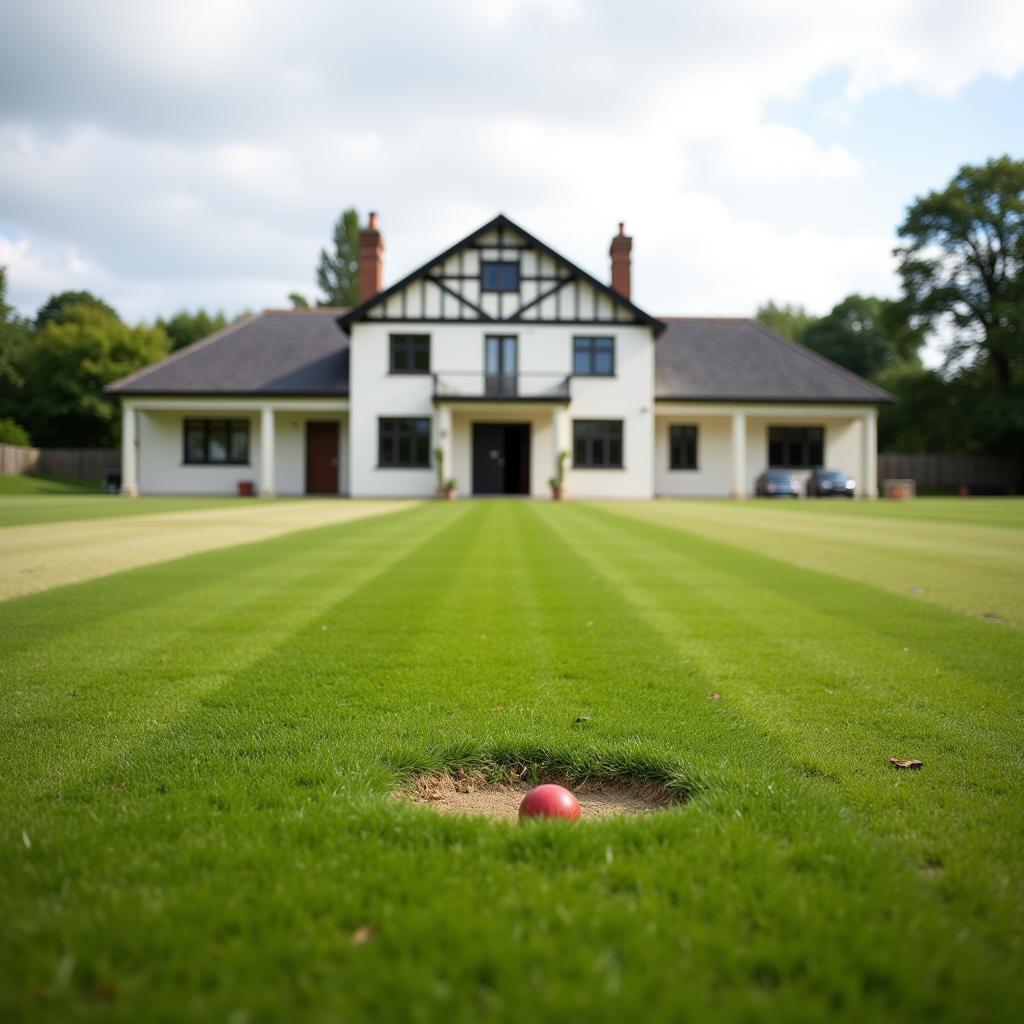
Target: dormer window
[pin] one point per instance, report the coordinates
(499, 276)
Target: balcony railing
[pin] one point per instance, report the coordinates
(470, 385)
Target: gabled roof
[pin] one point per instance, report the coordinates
(277, 352)
(501, 221)
(735, 359)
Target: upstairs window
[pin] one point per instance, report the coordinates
(410, 353)
(217, 442)
(499, 276)
(597, 444)
(796, 447)
(403, 443)
(682, 446)
(593, 357)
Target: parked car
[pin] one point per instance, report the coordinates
(774, 483)
(830, 483)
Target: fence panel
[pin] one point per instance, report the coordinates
(985, 473)
(88, 464)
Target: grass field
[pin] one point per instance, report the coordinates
(196, 760)
(28, 499)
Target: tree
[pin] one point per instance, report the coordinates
(14, 433)
(789, 320)
(57, 306)
(865, 334)
(184, 327)
(963, 265)
(338, 273)
(298, 300)
(66, 367)
(14, 336)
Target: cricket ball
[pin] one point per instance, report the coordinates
(549, 801)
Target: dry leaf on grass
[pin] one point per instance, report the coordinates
(362, 935)
(899, 762)
(714, 695)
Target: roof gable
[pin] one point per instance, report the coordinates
(551, 288)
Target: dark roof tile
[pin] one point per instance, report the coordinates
(735, 359)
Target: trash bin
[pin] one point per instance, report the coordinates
(899, 490)
(112, 481)
(246, 488)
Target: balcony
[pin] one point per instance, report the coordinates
(472, 386)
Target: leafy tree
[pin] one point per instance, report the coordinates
(338, 272)
(184, 327)
(865, 334)
(57, 306)
(14, 337)
(963, 264)
(14, 433)
(298, 300)
(789, 320)
(67, 365)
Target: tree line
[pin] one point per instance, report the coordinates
(961, 266)
(960, 263)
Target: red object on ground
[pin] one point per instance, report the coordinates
(549, 801)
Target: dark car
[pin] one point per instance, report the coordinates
(830, 483)
(774, 483)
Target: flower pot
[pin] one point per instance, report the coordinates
(246, 488)
(557, 493)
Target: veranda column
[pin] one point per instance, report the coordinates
(267, 452)
(129, 451)
(869, 457)
(739, 455)
(444, 442)
(561, 437)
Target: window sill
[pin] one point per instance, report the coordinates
(409, 373)
(422, 469)
(616, 468)
(216, 465)
(684, 469)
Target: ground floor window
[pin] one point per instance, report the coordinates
(403, 443)
(597, 444)
(217, 442)
(796, 447)
(682, 446)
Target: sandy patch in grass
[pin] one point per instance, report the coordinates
(46, 555)
(473, 792)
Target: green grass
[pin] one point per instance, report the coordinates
(45, 485)
(964, 554)
(66, 504)
(195, 761)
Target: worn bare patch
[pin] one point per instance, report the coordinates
(44, 555)
(474, 792)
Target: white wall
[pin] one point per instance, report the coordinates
(161, 448)
(162, 469)
(712, 479)
(542, 348)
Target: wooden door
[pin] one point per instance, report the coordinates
(321, 458)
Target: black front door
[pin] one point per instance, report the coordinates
(501, 458)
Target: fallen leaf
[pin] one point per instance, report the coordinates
(899, 762)
(992, 617)
(117, 788)
(581, 719)
(498, 707)
(362, 935)
(714, 695)
(105, 991)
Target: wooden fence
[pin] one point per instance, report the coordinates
(980, 474)
(87, 464)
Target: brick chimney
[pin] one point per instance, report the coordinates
(622, 247)
(371, 260)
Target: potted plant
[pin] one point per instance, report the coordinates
(557, 482)
(446, 486)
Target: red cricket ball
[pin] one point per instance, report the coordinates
(549, 801)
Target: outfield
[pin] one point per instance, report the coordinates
(196, 761)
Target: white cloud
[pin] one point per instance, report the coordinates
(189, 152)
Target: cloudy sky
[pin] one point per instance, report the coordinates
(196, 152)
